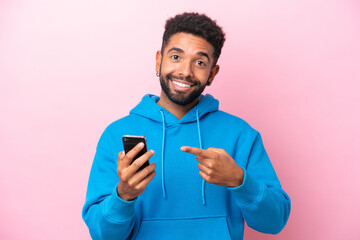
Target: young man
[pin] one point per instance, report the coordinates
(212, 169)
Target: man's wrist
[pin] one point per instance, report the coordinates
(124, 197)
(239, 179)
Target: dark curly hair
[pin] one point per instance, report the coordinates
(196, 24)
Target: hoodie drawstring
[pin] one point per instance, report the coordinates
(162, 156)
(199, 134)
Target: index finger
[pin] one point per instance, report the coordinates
(196, 151)
(129, 156)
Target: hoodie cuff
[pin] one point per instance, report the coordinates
(117, 209)
(250, 191)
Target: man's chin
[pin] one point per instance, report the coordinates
(182, 100)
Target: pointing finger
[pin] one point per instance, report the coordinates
(196, 151)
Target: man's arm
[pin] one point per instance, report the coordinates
(264, 205)
(107, 215)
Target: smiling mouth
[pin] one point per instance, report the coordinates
(181, 84)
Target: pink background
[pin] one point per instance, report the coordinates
(69, 68)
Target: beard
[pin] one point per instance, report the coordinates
(179, 97)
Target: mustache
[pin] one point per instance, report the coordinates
(187, 79)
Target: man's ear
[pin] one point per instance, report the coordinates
(158, 61)
(215, 69)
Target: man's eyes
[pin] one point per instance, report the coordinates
(175, 57)
(200, 63)
(197, 62)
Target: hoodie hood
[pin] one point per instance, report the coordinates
(149, 108)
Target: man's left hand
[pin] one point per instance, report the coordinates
(217, 166)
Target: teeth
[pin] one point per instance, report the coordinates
(181, 84)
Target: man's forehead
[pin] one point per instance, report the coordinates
(188, 41)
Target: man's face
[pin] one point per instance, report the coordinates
(185, 67)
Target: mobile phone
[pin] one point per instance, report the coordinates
(130, 141)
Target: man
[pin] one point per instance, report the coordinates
(212, 169)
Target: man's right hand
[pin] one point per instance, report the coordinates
(132, 183)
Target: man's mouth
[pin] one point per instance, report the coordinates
(181, 84)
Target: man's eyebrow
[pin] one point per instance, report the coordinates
(204, 54)
(176, 49)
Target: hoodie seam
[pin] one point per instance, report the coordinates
(117, 221)
(113, 219)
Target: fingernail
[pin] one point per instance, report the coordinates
(122, 153)
(140, 145)
(183, 149)
(152, 152)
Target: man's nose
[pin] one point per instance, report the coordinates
(186, 69)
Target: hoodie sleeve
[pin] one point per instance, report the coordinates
(264, 204)
(105, 213)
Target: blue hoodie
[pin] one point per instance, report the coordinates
(178, 203)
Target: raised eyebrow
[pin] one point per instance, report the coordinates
(176, 49)
(204, 55)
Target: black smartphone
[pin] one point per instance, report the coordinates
(130, 141)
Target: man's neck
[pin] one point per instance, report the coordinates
(177, 110)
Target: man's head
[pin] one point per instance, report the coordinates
(187, 62)
(198, 25)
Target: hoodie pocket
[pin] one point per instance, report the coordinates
(199, 228)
